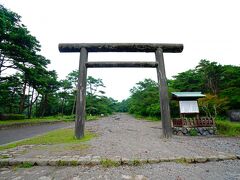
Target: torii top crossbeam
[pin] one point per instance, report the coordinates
(120, 47)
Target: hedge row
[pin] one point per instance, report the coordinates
(12, 116)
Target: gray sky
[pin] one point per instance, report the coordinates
(209, 29)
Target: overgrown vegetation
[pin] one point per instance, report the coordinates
(227, 128)
(61, 136)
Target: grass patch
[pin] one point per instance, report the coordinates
(109, 163)
(38, 120)
(135, 162)
(73, 163)
(44, 119)
(149, 118)
(181, 161)
(228, 128)
(92, 118)
(26, 165)
(4, 157)
(61, 136)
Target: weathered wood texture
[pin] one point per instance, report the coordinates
(121, 64)
(81, 95)
(120, 47)
(163, 91)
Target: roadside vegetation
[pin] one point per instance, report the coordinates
(49, 119)
(61, 136)
(228, 128)
(220, 84)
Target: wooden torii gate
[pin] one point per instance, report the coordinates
(158, 49)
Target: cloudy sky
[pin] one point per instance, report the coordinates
(209, 29)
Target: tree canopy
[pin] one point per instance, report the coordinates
(220, 83)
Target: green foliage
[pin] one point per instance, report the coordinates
(228, 128)
(96, 102)
(149, 118)
(109, 163)
(61, 136)
(221, 83)
(92, 118)
(37, 120)
(212, 105)
(25, 165)
(193, 132)
(135, 162)
(123, 105)
(144, 99)
(187, 81)
(12, 116)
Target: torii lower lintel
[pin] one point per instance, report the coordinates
(157, 48)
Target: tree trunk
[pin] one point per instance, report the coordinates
(22, 100)
(62, 106)
(1, 62)
(31, 104)
(28, 111)
(74, 104)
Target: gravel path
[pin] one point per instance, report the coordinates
(14, 134)
(122, 135)
(212, 170)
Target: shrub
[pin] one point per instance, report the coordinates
(12, 116)
(193, 132)
(228, 128)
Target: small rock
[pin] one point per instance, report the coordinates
(126, 177)
(184, 130)
(140, 177)
(44, 178)
(180, 133)
(76, 178)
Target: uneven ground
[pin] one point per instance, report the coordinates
(122, 136)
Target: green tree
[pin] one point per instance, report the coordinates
(144, 99)
(18, 47)
(211, 74)
(189, 80)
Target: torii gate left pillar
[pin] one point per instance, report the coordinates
(158, 49)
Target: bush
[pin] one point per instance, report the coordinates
(12, 116)
(193, 132)
(228, 128)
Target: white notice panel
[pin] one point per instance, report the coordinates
(188, 107)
